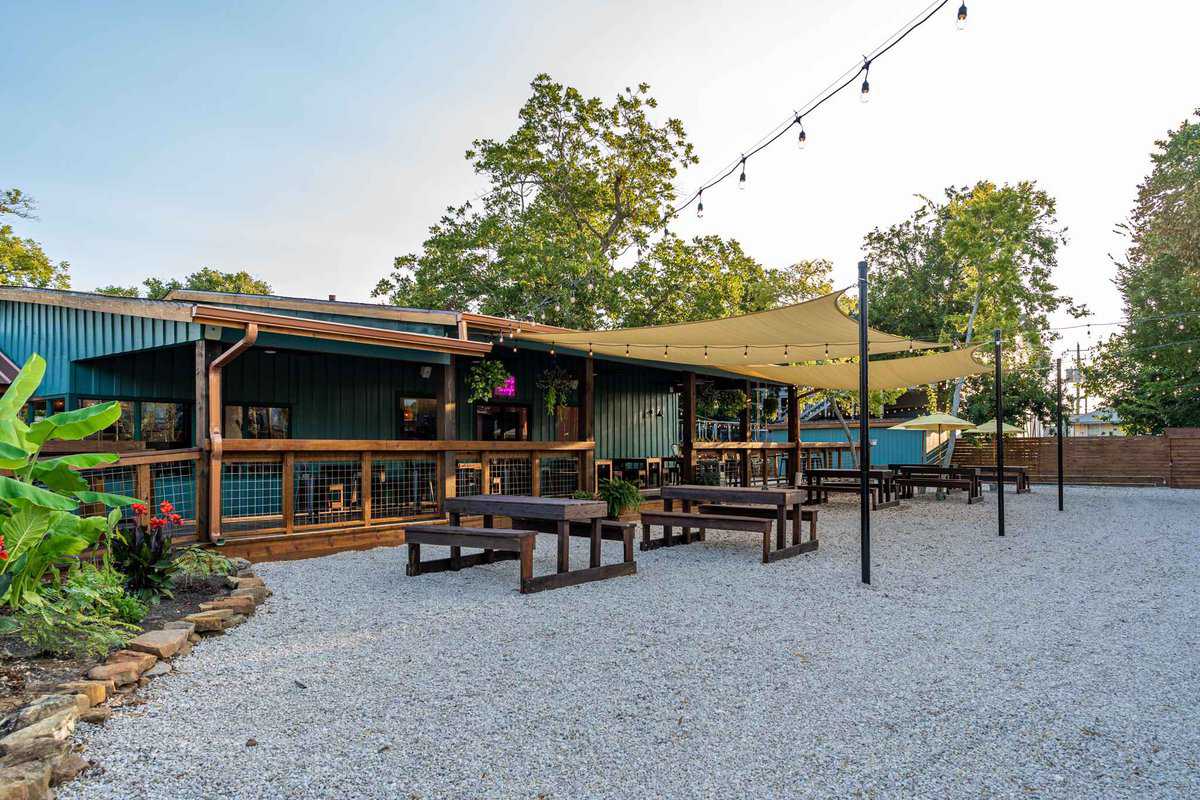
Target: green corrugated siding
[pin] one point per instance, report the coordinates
(164, 374)
(526, 365)
(62, 335)
(628, 401)
(888, 446)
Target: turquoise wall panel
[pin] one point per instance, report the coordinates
(164, 374)
(890, 447)
(637, 415)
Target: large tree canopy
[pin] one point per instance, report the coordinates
(22, 261)
(1150, 371)
(205, 279)
(988, 249)
(579, 185)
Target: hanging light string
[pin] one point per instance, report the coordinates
(796, 119)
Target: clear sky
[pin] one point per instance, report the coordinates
(310, 143)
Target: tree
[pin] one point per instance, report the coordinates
(982, 259)
(1148, 371)
(710, 277)
(578, 184)
(206, 279)
(22, 261)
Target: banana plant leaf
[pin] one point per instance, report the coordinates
(17, 493)
(74, 425)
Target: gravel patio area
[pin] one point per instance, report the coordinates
(1060, 662)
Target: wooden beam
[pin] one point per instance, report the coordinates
(203, 357)
(398, 446)
(793, 434)
(366, 487)
(587, 425)
(447, 428)
(288, 491)
(688, 442)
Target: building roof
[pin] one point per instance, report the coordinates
(1101, 416)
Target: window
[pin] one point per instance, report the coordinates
(165, 424)
(496, 422)
(418, 418)
(257, 422)
(38, 409)
(120, 431)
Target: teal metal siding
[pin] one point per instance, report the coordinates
(62, 335)
(165, 374)
(526, 366)
(628, 403)
(889, 446)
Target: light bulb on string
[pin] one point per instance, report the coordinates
(910, 345)
(827, 349)
(1181, 327)
(785, 351)
(666, 350)
(865, 93)
(700, 206)
(589, 349)
(706, 351)
(802, 137)
(746, 352)
(626, 349)
(961, 21)
(742, 177)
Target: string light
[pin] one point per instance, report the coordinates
(785, 351)
(827, 349)
(706, 351)
(802, 138)
(910, 345)
(589, 349)
(552, 348)
(865, 93)
(666, 350)
(626, 349)
(742, 177)
(700, 206)
(746, 352)
(961, 22)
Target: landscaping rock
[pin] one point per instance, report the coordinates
(158, 670)
(240, 563)
(259, 593)
(236, 619)
(120, 673)
(250, 582)
(143, 661)
(210, 621)
(162, 644)
(41, 708)
(98, 715)
(26, 782)
(96, 691)
(42, 738)
(82, 702)
(180, 625)
(66, 767)
(241, 605)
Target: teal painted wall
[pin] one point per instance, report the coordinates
(890, 447)
(526, 366)
(628, 402)
(62, 335)
(164, 374)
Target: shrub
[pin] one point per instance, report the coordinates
(145, 555)
(621, 496)
(202, 562)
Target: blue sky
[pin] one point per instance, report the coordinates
(310, 143)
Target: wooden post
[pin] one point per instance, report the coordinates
(587, 424)
(485, 473)
(744, 433)
(447, 415)
(687, 447)
(203, 356)
(365, 486)
(535, 474)
(287, 488)
(143, 487)
(793, 435)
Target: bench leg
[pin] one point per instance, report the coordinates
(668, 505)
(595, 550)
(489, 556)
(767, 546)
(456, 558)
(781, 519)
(414, 559)
(687, 532)
(628, 545)
(564, 545)
(526, 565)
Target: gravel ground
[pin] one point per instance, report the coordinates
(1059, 662)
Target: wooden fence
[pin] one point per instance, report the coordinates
(1169, 460)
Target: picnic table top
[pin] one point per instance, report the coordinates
(931, 468)
(520, 506)
(773, 496)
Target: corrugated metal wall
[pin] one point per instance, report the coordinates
(62, 335)
(629, 402)
(164, 374)
(526, 365)
(890, 447)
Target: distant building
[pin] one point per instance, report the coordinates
(1101, 422)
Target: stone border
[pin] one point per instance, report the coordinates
(37, 749)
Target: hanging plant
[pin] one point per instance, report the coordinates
(483, 378)
(770, 407)
(731, 403)
(556, 385)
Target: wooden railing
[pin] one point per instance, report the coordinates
(762, 463)
(154, 476)
(283, 486)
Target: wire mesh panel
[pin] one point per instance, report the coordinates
(403, 487)
(731, 470)
(114, 480)
(708, 470)
(468, 478)
(326, 492)
(251, 494)
(175, 482)
(511, 475)
(560, 475)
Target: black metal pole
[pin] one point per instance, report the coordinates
(999, 438)
(1058, 366)
(864, 427)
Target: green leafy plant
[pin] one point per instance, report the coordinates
(770, 407)
(202, 562)
(145, 555)
(483, 378)
(621, 496)
(582, 495)
(39, 527)
(556, 385)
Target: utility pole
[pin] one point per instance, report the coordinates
(999, 437)
(1058, 417)
(864, 429)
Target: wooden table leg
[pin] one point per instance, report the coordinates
(781, 527)
(687, 532)
(455, 552)
(414, 559)
(595, 552)
(564, 545)
(628, 537)
(668, 505)
(796, 521)
(489, 556)
(526, 564)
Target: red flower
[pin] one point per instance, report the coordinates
(176, 519)
(3, 555)
(166, 507)
(140, 509)
(157, 522)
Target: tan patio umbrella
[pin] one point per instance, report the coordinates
(941, 423)
(989, 427)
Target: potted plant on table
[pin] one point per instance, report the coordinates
(621, 496)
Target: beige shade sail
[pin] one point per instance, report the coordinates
(893, 373)
(807, 331)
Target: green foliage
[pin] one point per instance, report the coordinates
(1027, 395)
(579, 494)
(22, 261)
(556, 385)
(483, 378)
(621, 496)
(770, 407)
(205, 279)
(147, 560)
(200, 561)
(721, 404)
(1150, 371)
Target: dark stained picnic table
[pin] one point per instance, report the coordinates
(559, 511)
(912, 474)
(786, 500)
(882, 484)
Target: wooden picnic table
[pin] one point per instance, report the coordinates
(561, 512)
(1014, 474)
(820, 482)
(936, 476)
(777, 502)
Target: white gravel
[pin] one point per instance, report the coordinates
(1060, 662)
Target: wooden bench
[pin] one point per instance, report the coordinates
(688, 520)
(968, 485)
(808, 515)
(611, 530)
(818, 489)
(498, 544)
